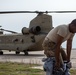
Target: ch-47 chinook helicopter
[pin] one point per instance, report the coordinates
(31, 38)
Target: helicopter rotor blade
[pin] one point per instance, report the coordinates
(61, 11)
(10, 12)
(8, 31)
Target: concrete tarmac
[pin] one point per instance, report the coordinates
(33, 57)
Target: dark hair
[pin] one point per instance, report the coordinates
(74, 22)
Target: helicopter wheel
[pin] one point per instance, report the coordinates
(1, 52)
(17, 52)
(26, 52)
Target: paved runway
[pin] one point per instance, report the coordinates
(33, 57)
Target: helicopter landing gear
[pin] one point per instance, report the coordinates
(25, 52)
(1, 52)
(17, 52)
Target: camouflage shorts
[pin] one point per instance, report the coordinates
(49, 47)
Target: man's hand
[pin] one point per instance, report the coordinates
(57, 66)
(69, 65)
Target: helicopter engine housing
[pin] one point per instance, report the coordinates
(25, 30)
(35, 29)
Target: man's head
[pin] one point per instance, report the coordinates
(72, 26)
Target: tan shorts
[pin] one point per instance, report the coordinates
(49, 47)
(49, 50)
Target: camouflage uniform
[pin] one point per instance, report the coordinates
(49, 48)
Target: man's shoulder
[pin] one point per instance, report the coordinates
(63, 27)
(62, 30)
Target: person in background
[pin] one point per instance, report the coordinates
(54, 39)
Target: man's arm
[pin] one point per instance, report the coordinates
(69, 47)
(57, 51)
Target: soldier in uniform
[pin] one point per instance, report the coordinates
(54, 39)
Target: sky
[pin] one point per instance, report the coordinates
(16, 22)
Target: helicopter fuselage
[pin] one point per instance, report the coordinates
(20, 42)
(30, 39)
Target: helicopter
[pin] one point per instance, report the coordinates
(31, 38)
